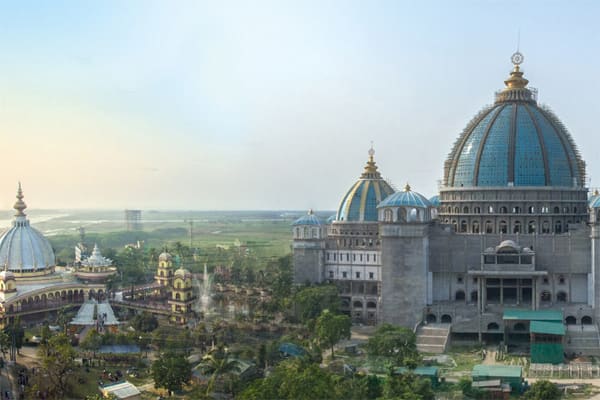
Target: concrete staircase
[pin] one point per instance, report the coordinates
(586, 341)
(433, 338)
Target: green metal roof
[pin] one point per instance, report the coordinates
(420, 371)
(549, 328)
(531, 315)
(497, 371)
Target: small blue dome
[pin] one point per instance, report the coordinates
(515, 142)
(594, 201)
(308, 219)
(435, 201)
(360, 202)
(406, 198)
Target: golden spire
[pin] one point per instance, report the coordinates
(20, 204)
(371, 169)
(407, 187)
(516, 85)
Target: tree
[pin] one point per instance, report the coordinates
(144, 322)
(57, 359)
(293, 379)
(396, 342)
(91, 342)
(331, 328)
(4, 343)
(171, 371)
(311, 301)
(407, 387)
(218, 363)
(543, 390)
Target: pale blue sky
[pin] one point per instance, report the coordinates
(267, 105)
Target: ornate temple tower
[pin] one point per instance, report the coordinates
(308, 245)
(164, 273)
(182, 296)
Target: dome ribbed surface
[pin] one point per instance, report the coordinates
(308, 219)
(515, 144)
(25, 248)
(406, 198)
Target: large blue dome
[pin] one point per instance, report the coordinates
(360, 202)
(515, 143)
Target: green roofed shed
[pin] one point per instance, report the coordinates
(432, 373)
(533, 315)
(548, 328)
(511, 374)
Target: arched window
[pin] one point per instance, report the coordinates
(516, 210)
(305, 232)
(546, 227)
(558, 227)
(446, 319)
(517, 227)
(556, 210)
(456, 210)
(431, 319)
(177, 296)
(477, 210)
(489, 227)
(357, 304)
(492, 326)
(460, 295)
(561, 297)
(503, 210)
(463, 226)
(570, 320)
(371, 304)
(565, 210)
(455, 224)
(388, 215)
(490, 209)
(475, 226)
(297, 233)
(519, 327)
(531, 210)
(574, 210)
(545, 296)
(465, 210)
(561, 279)
(503, 227)
(531, 227)
(586, 320)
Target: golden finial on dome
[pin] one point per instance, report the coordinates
(371, 168)
(20, 204)
(596, 192)
(516, 80)
(310, 211)
(407, 187)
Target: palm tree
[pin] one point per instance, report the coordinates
(218, 363)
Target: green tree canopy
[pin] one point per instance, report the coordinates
(171, 371)
(331, 328)
(407, 387)
(57, 358)
(396, 342)
(293, 379)
(311, 301)
(144, 322)
(543, 390)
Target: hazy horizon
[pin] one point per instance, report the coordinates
(267, 105)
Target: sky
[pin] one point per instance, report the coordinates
(268, 104)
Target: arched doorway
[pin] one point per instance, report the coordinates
(446, 319)
(586, 320)
(570, 320)
(431, 319)
(492, 326)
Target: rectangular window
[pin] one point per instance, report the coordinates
(344, 274)
(367, 257)
(328, 256)
(358, 275)
(361, 257)
(331, 274)
(374, 257)
(371, 275)
(334, 256)
(353, 257)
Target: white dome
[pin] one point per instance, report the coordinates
(23, 248)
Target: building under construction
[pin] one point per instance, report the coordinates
(133, 220)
